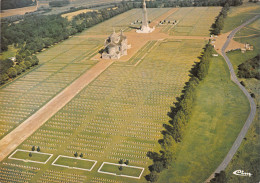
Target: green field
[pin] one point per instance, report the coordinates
(219, 113)
(117, 116)
(73, 162)
(35, 156)
(128, 171)
(240, 14)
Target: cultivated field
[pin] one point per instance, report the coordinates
(80, 3)
(17, 11)
(117, 116)
(70, 16)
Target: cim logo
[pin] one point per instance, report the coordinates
(242, 173)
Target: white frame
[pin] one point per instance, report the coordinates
(36, 152)
(124, 165)
(53, 163)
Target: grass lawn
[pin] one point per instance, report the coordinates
(7, 54)
(73, 162)
(238, 15)
(218, 116)
(129, 171)
(35, 156)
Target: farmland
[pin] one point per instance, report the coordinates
(117, 116)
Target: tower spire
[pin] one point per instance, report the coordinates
(145, 27)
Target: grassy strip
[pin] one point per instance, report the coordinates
(217, 117)
(180, 115)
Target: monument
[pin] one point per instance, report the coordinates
(115, 46)
(145, 27)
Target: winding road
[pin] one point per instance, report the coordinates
(251, 116)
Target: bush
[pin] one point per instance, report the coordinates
(11, 72)
(250, 68)
(3, 78)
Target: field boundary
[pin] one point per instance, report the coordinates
(10, 157)
(124, 165)
(95, 162)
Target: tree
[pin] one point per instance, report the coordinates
(33, 148)
(81, 155)
(27, 64)
(121, 161)
(120, 168)
(30, 154)
(219, 178)
(38, 149)
(127, 162)
(18, 69)
(3, 78)
(157, 166)
(11, 72)
(153, 176)
(76, 154)
(23, 66)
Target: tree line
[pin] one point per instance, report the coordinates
(12, 4)
(59, 3)
(219, 22)
(180, 115)
(189, 3)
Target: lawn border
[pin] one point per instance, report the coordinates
(99, 170)
(10, 157)
(53, 163)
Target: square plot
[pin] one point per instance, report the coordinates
(37, 157)
(74, 163)
(127, 171)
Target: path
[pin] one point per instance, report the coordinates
(29, 126)
(251, 116)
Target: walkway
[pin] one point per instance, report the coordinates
(251, 116)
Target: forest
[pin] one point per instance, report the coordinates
(250, 68)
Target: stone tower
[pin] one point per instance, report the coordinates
(145, 27)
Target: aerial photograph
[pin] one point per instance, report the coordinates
(130, 91)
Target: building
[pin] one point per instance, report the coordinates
(145, 27)
(115, 46)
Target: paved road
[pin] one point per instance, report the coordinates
(29, 126)
(251, 116)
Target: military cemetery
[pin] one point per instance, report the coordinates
(123, 76)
